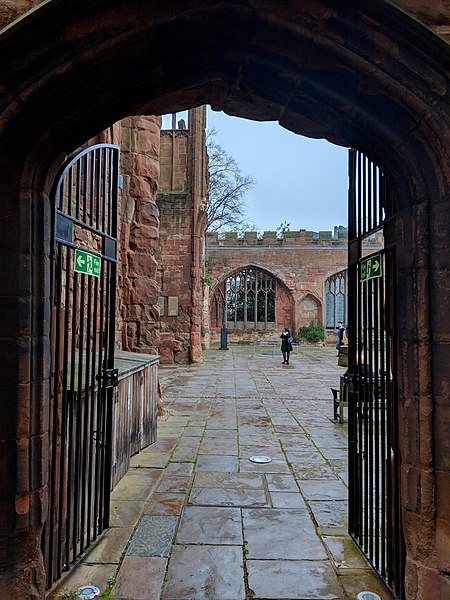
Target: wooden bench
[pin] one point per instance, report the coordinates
(340, 400)
(377, 390)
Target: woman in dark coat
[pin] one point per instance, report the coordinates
(286, 345)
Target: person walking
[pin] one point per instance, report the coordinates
(286, 345)
(340, 334)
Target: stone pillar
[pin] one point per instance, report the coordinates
(423, 234)
(181, 200)
(139, 234)
(206, 330)
(24, 375)
(440, 381)
(197, 176)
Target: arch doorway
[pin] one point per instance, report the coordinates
(251, 301)
(365, 76)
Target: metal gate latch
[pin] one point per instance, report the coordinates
(110, 378)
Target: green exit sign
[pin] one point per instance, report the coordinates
(87, 263)
(371, 267)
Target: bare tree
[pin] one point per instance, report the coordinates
(227, 188)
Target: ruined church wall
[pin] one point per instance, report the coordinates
(175, 208)
(300, 261)
(138, 285)
(181, 201)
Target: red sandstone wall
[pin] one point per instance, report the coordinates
(139, 235)
(174, 272)
(137, 314)
(181, 202)
(174, 253)
(300, 262)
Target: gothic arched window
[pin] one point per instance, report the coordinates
(250, 298)
(336, 299)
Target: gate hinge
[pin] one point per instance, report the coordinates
(109, 377)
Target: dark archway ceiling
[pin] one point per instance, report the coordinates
(362, 76)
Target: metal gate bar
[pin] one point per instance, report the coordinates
(82, 332)
(374, 457)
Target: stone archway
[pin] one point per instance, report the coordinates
(276, 308)
(364, 76)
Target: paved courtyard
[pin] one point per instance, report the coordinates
(195, 519)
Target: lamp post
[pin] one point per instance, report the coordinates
(224, 330)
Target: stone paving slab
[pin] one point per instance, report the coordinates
(245, 451)
(174, 483)
(287, 500)
(189, 442)
(345, 553)
(305, 458)
(211, 462)
(264, 438)
(332, 439)
(292, 580)
(218, 573)
(319, 471)
(153, 536)
(165, 503)
(226, 446)
(331, 517)
(228, 497)
(238, 481)
(140, 578)
(210, 525)
(96, 574)
(277, 482)
(111, 546)
(296, 442)
(254, 431)
(320, 489)
(281, 534)
(288, 428)
(138, 485)
(218, 423)
(125, 513)
(276, 466)
(156, 460)
(179, 469)
(364, 580)
(220, 434)
(193, 431)
(185, 454)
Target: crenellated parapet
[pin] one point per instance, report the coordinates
(299, 238)
(290, 239)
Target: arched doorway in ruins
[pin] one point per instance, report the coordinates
(370, 77)
(253, 302)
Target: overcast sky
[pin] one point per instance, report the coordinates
(298, 180)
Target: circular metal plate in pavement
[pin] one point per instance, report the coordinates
(260, 459)
(88, 591)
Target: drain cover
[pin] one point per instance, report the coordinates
(260, 459)
(368, 596)
(87, 591)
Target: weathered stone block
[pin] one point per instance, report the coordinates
(148, 213)
(140, 233)
(145, 290)
(146, 166)
(142, 264)
(142, 187)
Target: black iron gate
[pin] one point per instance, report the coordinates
(374, 459)
(85, 198)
